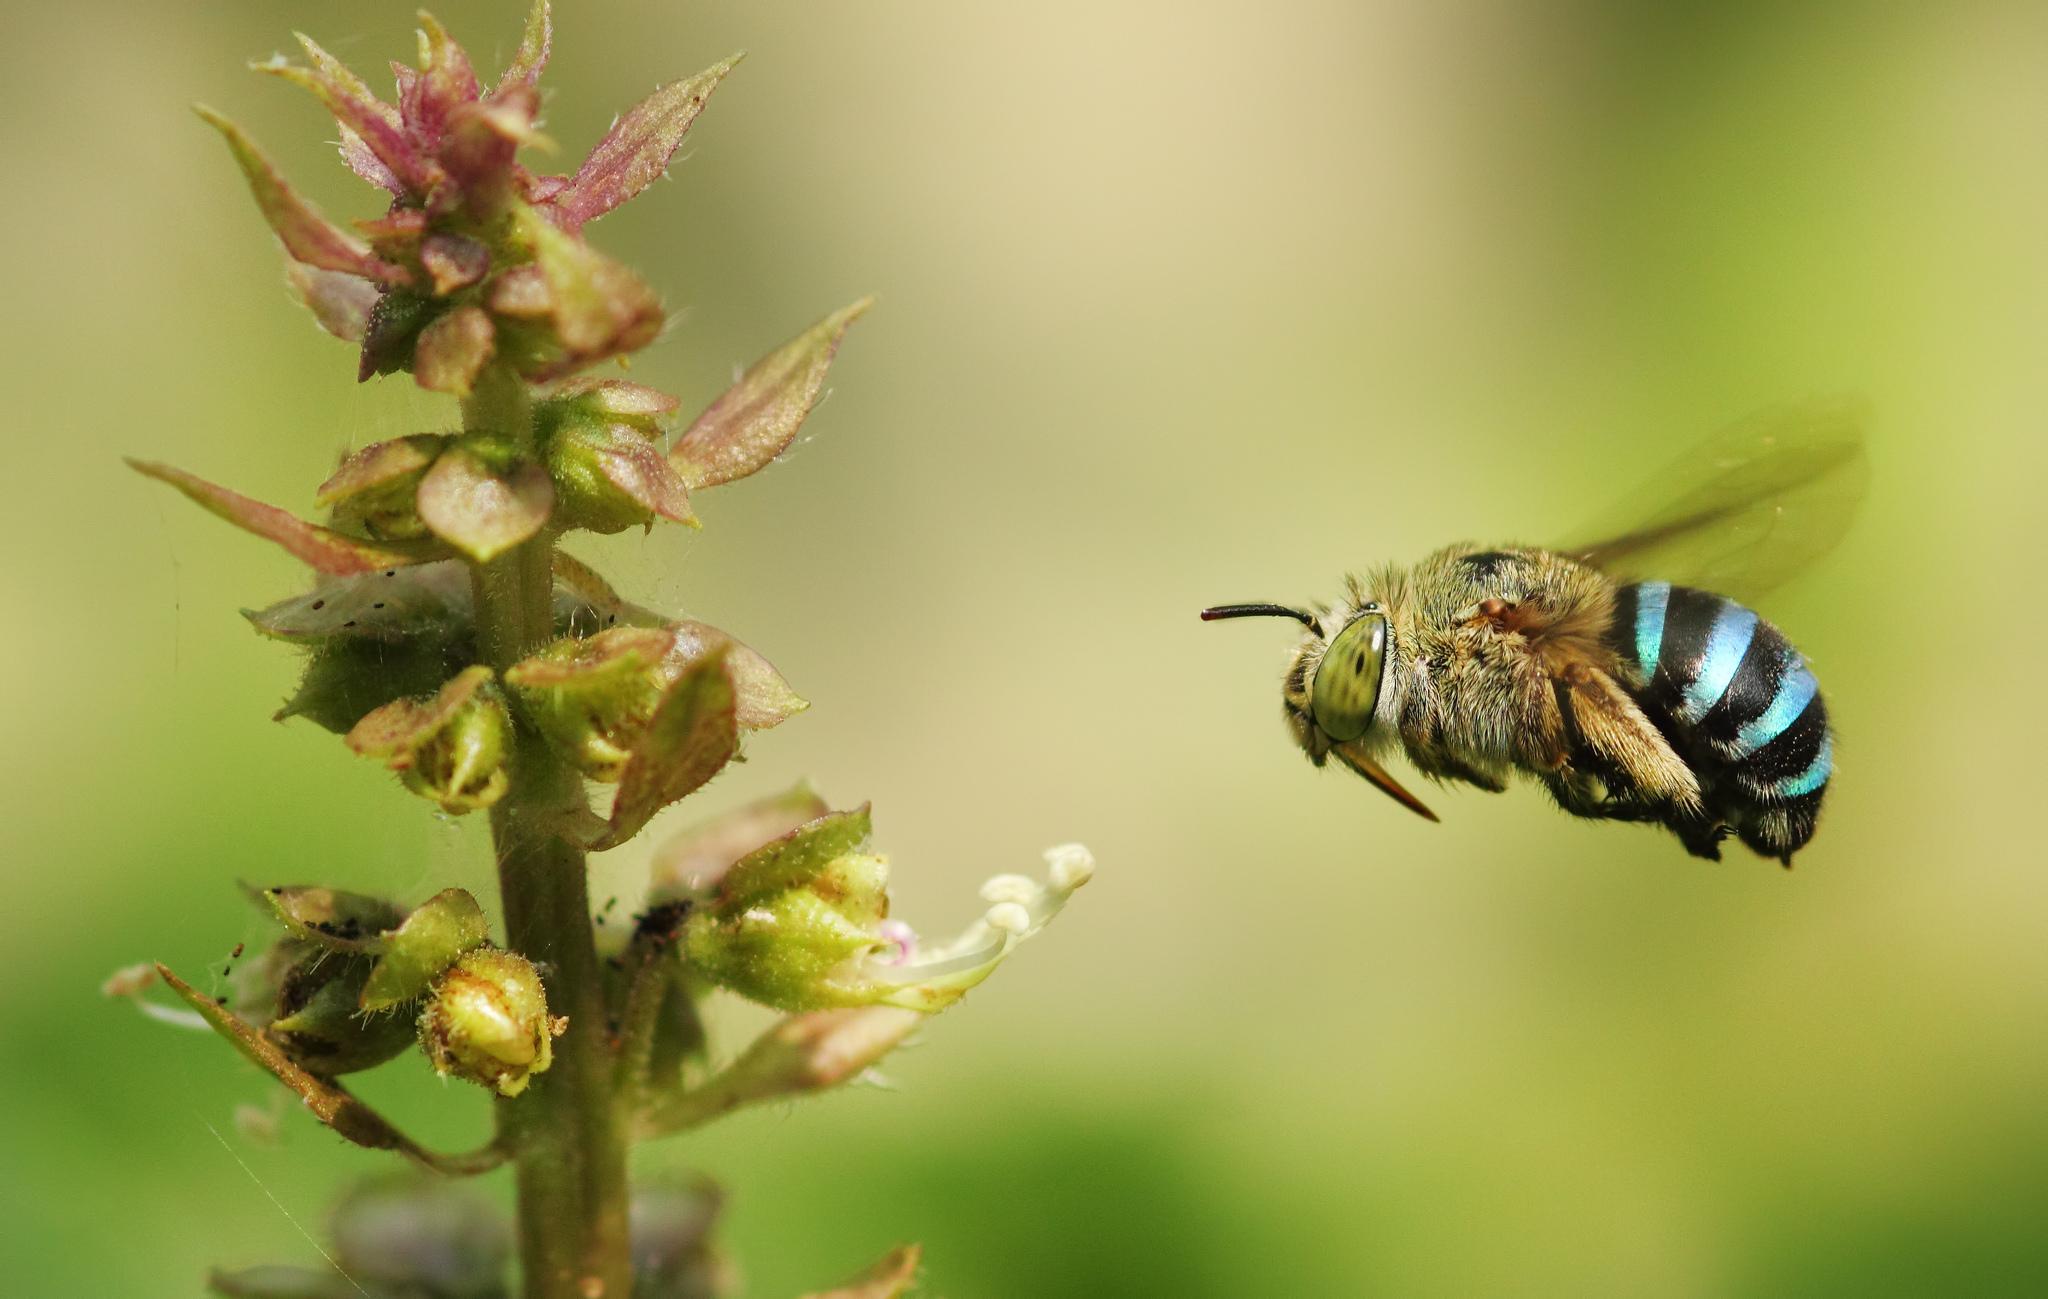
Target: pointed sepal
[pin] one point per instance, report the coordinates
(306, 235)
(635, 153)
(332, 920)
(757, 418)
(535, 44)
(800, 1055)
(371, 122)
(323, 549)
(328, 1101)
(690, 738)
(440, 931)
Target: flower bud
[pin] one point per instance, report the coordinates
(593, 696)
(793, 925)
(450, 748)
(609, 477)
(487, 1021)
(374, 490)
(597, 440)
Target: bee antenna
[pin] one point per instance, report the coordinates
(1302, 616)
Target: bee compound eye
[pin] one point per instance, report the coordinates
(1347, 682)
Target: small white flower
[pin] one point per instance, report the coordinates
(1011, 888)
(939, 974)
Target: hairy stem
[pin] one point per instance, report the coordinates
(564, 1130)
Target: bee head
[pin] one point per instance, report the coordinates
(1332, 689)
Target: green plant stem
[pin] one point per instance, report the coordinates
(564, 1130)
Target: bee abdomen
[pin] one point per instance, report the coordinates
(1736, 701)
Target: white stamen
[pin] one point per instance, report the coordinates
(1009, 917)
(1071, 865)
(1021, 889)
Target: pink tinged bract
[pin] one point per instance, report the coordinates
(479, 511)
(446, 81)
(532, 55)
(324, 549)
(307, 236)
(636, 151)
(339, 301)
(694, 732)
(455, 262)
(374, 122)
(453, 350)
(757, 418)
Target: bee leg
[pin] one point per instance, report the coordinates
(1455, 770)
(1607, 725)
(1440, 764)
(1582, 793)
(1701, 835)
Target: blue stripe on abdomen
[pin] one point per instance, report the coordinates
(1726, 644)
(1651, 598)
(1816, 773)
(1796, 689)
(1737, 703)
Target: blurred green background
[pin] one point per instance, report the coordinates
(1180, 302)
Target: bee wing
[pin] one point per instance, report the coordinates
(1756, 502)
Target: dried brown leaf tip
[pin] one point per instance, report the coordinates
(477, 258)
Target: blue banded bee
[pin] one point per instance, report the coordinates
(1627, 674)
